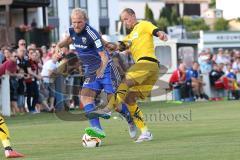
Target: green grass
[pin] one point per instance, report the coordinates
(211, 131)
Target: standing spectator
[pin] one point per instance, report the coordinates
(236, 64)
(48, 80)
(22, 44)
(25, 82)
(7, 54)
(32, 89)
(51, 50)
(10, 67)
(220, 57)
(44, 54)
(205, 61)
(21, 91)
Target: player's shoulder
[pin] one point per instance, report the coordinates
(70, 32)
(144, 22)
(92, 32)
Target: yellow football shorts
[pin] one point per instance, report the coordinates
(145, 73)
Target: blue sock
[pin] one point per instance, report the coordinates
(125, 113)
(93, 122)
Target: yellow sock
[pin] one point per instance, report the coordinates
(137, 116)
(4, 133)
(119, 96)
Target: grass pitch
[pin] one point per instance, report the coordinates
(197, 131)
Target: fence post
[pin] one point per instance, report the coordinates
(207, 86)
(5, 94)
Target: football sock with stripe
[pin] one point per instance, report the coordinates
(93, 122)
(137, 116)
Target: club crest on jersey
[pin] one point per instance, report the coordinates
(84, 40)
(135, 35)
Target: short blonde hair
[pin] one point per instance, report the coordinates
(80, 11)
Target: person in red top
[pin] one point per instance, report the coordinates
(9, 66)
(178, 77)
(32, 88)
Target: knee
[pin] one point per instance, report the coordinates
(130, 101)
(86, 100)
(129, 82)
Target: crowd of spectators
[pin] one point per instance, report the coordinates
(222, 67)
(32, 72)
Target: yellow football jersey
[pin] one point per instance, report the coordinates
(141, 40)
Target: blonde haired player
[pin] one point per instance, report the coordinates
(140, 77)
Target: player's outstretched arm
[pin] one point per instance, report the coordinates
(160, 34)
(64, 43)
(104, 63)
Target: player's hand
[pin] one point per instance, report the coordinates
(163, 36)
(111, 46)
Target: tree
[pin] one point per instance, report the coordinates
(212, 4)
(170, 14)
(174, 16)
(195, 24)
(162, 23)
(148, 14)
(221, 25)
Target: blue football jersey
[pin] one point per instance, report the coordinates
(88, 43)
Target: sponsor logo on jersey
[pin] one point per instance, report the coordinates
(84, 40)
(79, 46)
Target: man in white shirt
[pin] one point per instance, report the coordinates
(47, 71)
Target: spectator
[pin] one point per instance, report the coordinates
(205, 62)
(193, 76)
(216, 74)
(177, 80)
(220, 57)
(216, 81)
(236, 64)
(25, 82)
(22, 44)
(32, 88)
(44, 54)
(7, 52)
(48, 80)
(51, 50)
(21, 91)
(1, 54)
(232, 84)
(10, 67)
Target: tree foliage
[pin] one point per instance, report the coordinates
(162, 23)
(170, 14)
(148, 14)
(221, 25)
(195, 24)
(212, 4)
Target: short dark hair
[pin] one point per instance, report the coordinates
(129, 11)
(72, 58)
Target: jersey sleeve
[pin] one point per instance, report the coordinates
(148, 27)
(96, 39)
